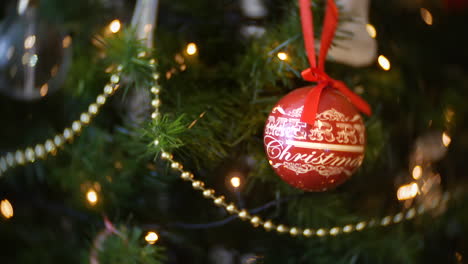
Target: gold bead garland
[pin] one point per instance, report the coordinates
(267, 224)
(50, 146)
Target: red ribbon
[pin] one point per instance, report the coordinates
(317, 74)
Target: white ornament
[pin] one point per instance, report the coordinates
(357, 50)
(144, 20)
(254, 9)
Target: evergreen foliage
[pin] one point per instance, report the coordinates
(214, 112)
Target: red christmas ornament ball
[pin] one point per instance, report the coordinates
(318, 157)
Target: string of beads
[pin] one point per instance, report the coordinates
(52, 145)
(268, 224)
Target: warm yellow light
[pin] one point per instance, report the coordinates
(371, 30)
(179, 58)
(235, 182)
(151, 237)
(191, 48)
(92, 197)
(147, 28)
(282, 56)
(446, 139)
(407, 191)
(25, 58)
(426, 16)
(6, 208)
(417, 172)
(44, 89)
(29, 41)
(449, 114)
(384, 62)
(66, 42)
(114, 26)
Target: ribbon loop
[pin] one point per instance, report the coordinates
(317, 74)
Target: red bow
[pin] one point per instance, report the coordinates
(317, 74)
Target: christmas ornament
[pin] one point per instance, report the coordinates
(254, 11)
(34, 54)
(144, 19)
(320, 156)
(359, 49)
(314, 136)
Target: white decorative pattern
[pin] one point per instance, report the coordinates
(300, 168)
(332, 115)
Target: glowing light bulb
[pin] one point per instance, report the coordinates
(417, 172)
(29, 41)
(384, 63)
(44, 89)
(66, 42)
(449, 114)
(282, 56)
(426, 16)
(151, 237)
(148, 28)
(6, 209)
(407, 191)
(191, 48)
(235, 182)
(33, 60)
(371, 30)
(114, 26)
(92, 197)
(446, 139)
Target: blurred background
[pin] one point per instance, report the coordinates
(107, 197)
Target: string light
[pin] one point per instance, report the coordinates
(449, 114)
(54, 70)
(148, 28)
(426, 16)
(191, 48)
(44, 89)
(446, 139)
(6, 208)
(282, 56)
(10, 52)
(371, 30)
(151, 237)
(235, 182)
(384, 63)
(417, 172)
(29, 41)
(92, 197)
(33, 60)
(407, 191)
(66, 42)
(114, 26)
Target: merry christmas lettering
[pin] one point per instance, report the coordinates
(341, 132)
(281, 152)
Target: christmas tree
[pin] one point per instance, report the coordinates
(140, 132)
